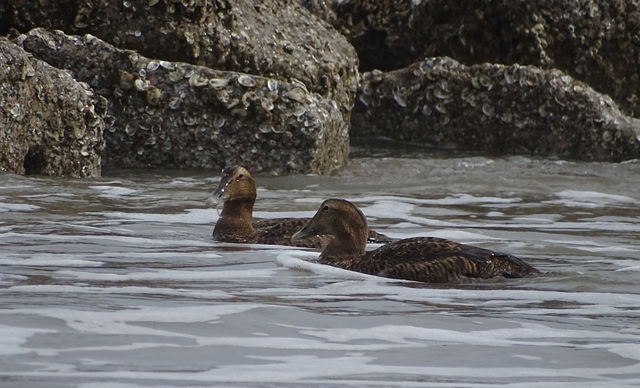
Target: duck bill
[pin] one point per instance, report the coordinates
(306, 232)
(212, 202)
(217, 194)
(221, 189)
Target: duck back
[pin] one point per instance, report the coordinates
(436, 260)
(278, 231)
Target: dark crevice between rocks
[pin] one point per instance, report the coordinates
(372, 52)
(34, 161)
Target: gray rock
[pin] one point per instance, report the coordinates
(595, 41)
(49, 123)
(274, 38)
(174, 114)
(494, 108)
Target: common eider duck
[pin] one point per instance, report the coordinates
(423, 259)
(237, 190)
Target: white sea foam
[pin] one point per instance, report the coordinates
(49, 260)
(403, 225)
(592, 246)
(634, 267)
(449, 234)
(104, 239)
(455, 199)
(8, 279)
(555, 226)
(107, 191)
(13, 339)
(288, 260)
(588, 301)
(190, 216)
(533, 219)
(118, 290)
(626, 350)
(185, 182)
(17, 207)
(283, 214)
(524, 334)
(389, 209)
(166, 274)
(127, 321)
(360, 370)
(590, 199)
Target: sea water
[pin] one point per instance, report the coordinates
(116, 282)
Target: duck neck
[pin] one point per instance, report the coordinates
(235, 222)
(349, 243)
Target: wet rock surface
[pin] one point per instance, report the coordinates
(271, 85)
(594, 41)
(498, 109)
(274, 38)
(50, 124)
(174, 114)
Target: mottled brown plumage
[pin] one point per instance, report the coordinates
(424, 259)
(237, 189)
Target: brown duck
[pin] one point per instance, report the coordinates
(424, 259)
(237, 190)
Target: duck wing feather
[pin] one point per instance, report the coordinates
(278, 231)
(430, 259)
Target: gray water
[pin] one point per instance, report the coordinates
(115, 282)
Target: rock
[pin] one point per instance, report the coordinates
(50, 124)
(494, 108)
(275, 38)
(174, 114)
(325, 10)
(594, 41)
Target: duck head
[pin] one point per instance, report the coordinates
(344, 221)
(236, 184)
(237, 190)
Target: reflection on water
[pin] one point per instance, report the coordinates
(116, 282)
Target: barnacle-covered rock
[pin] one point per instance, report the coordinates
(595, 41)
(274, 38)
(49, 123)
(172, 114)
(499, 109)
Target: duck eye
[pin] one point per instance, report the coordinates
(325, 207)
(240, 176)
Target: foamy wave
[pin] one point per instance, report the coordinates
(17, 207)
(577, 303)
(283, 214)
(590, 199)
(119, 290)
(49, 260)
(167, 274)
(125, 321)
(293, 260)
(122, 240)
(449, 234)
(113, 191)
(13, 339)
(190, 216)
